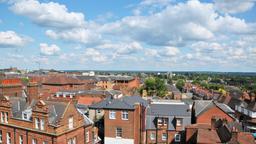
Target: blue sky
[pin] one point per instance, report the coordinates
(194, 35)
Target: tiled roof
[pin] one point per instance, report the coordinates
(61, 79)
(88, 100)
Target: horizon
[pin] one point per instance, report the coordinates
(136, 35)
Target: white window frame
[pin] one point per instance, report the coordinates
(164, 136)
(119, 132)
(42, 124)
(20, 139)
(178, 122)
(70, 123)
(37, 123)
(152, 136)
(112, 114)
(74, 140)
(8, 138)
(34, 141)
(87, 136)
(177, 136)
(125, 115)
(6, 117)
(45, 142)
(2, 117)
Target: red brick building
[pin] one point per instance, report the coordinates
(219, 131)
(43, 122)
(11, 87)
(204, 110)
(165, 122)
(124, 120)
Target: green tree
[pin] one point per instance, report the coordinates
(155, 86)
(180, 83)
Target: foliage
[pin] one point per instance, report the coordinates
(180, 83)
(155, 86)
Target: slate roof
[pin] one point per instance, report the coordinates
(55, 110)
(202, 106)
(126, 102)
(170, 111)
(252, 106)
(18, 105)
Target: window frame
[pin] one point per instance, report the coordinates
(1, 136)
(125, 115)
(119, 132)
(21, 139)
(178, 122)
(164, 136)
(152, 136)
(112, 114)
(175, 137)
(8, 138)
(71, 122)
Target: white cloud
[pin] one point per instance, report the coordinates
(95, 55)
(48, 14)
(170, 51)
(234, 6)
(177, 24)
(12, 39)
(49, 49)
(80, 35)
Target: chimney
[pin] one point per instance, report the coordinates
(213, 122)
(252, 97)
(33, 91)
(234, 135)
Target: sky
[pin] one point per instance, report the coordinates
(159, 35)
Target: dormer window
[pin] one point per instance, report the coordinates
(162, 121)
(25, 116)
(70, 123)
(178, 121)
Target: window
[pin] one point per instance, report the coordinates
(159, 121)
(70, 123)
(152, 136)
(72, 141)
(124, 115)
(25, 116)
(6, 117)
(112, 115)
(34, 141)
(87, 136)
(45, 142)
(20, 139)
(42, 124)
(119, 132)
(2, 117)
(1, 136)
(37, 123)
(8, 138)
(177, 137)
(178, 122)
(98, 111)
(164, 136)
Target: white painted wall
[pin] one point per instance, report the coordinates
(110, 140)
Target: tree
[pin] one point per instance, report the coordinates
(155, 86)
(180, 83)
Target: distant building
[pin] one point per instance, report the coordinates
(11, 87)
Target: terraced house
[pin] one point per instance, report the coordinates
(43, 122)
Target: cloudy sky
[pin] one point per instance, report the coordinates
(218, 35)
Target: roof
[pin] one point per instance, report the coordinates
(18, 105)
(252, 106)
(55, 110)
(61, 79)
(207, 136)
(170, 111)
(126, 102)
(201, 106)
(88, 100)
